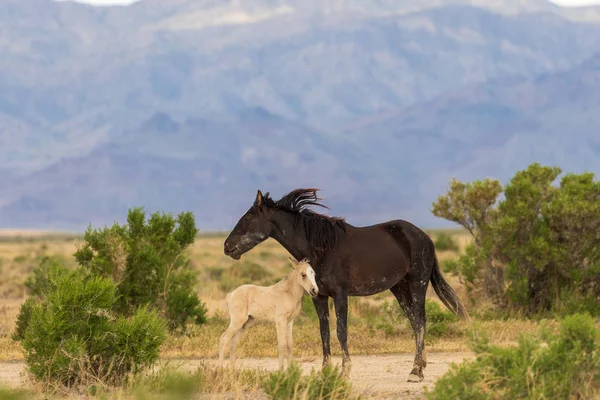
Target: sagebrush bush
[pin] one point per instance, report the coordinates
(291, 384)
(445, 241)
(440, 321)
(146, 259)
(168, 384)
(386, 317)
(451, 266)
(39, 281)
(72, 335)
(544, 366)
(23, 319)
(537, 243)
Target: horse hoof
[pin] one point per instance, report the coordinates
(415, 376)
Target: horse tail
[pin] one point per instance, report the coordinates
(445, 292)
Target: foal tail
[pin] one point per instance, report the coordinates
(445, 292)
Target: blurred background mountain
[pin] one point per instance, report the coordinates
(193, 105)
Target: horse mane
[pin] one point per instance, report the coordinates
(321, 230)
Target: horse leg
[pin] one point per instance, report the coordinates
(234, 326)
(236, 339)
(411, 297)
(281, 326)
(341, 313)
(322, 306)
(290, 342)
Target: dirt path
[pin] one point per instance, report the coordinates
(382, 376)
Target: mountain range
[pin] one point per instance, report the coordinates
(194, 105)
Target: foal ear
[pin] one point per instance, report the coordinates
(293, 262)
(259, 198)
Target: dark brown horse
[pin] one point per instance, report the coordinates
(349, 261)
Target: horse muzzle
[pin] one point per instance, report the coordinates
(231, 252)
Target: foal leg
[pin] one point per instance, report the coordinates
(234, 326)
(322, 306)
(411, 297)
(341, 313)
(236, 339)
(281, 326)
(290, 342)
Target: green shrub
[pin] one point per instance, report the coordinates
(308, 308)
(389, 319)
(445, 241)
(286, 384)
(168, 384)
(38, 283)
(146, 260)
(440, 321)
(568, 304)
(72, 336)
(548, 365)
(291, 384)
(328, 385)
(451, 266)
(23, 319)
(532, 246)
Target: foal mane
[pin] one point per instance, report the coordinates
(320, 230)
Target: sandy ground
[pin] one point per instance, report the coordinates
(382, 376)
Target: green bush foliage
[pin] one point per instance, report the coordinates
(545, 366)
(308, 308)
(38, 283)
(146, 259)
(72, 336)
(537, 245)
(445, 241)
(440, 321)
(23, 319)
(168, 384)
(291, 384)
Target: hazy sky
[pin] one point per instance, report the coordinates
(569, 3)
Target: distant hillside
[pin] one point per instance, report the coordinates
(193, 105)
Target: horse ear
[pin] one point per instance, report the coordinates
(259, 198)
(293, 262)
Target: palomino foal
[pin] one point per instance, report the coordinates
(280, 303)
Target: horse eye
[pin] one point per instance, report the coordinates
(303, 275)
